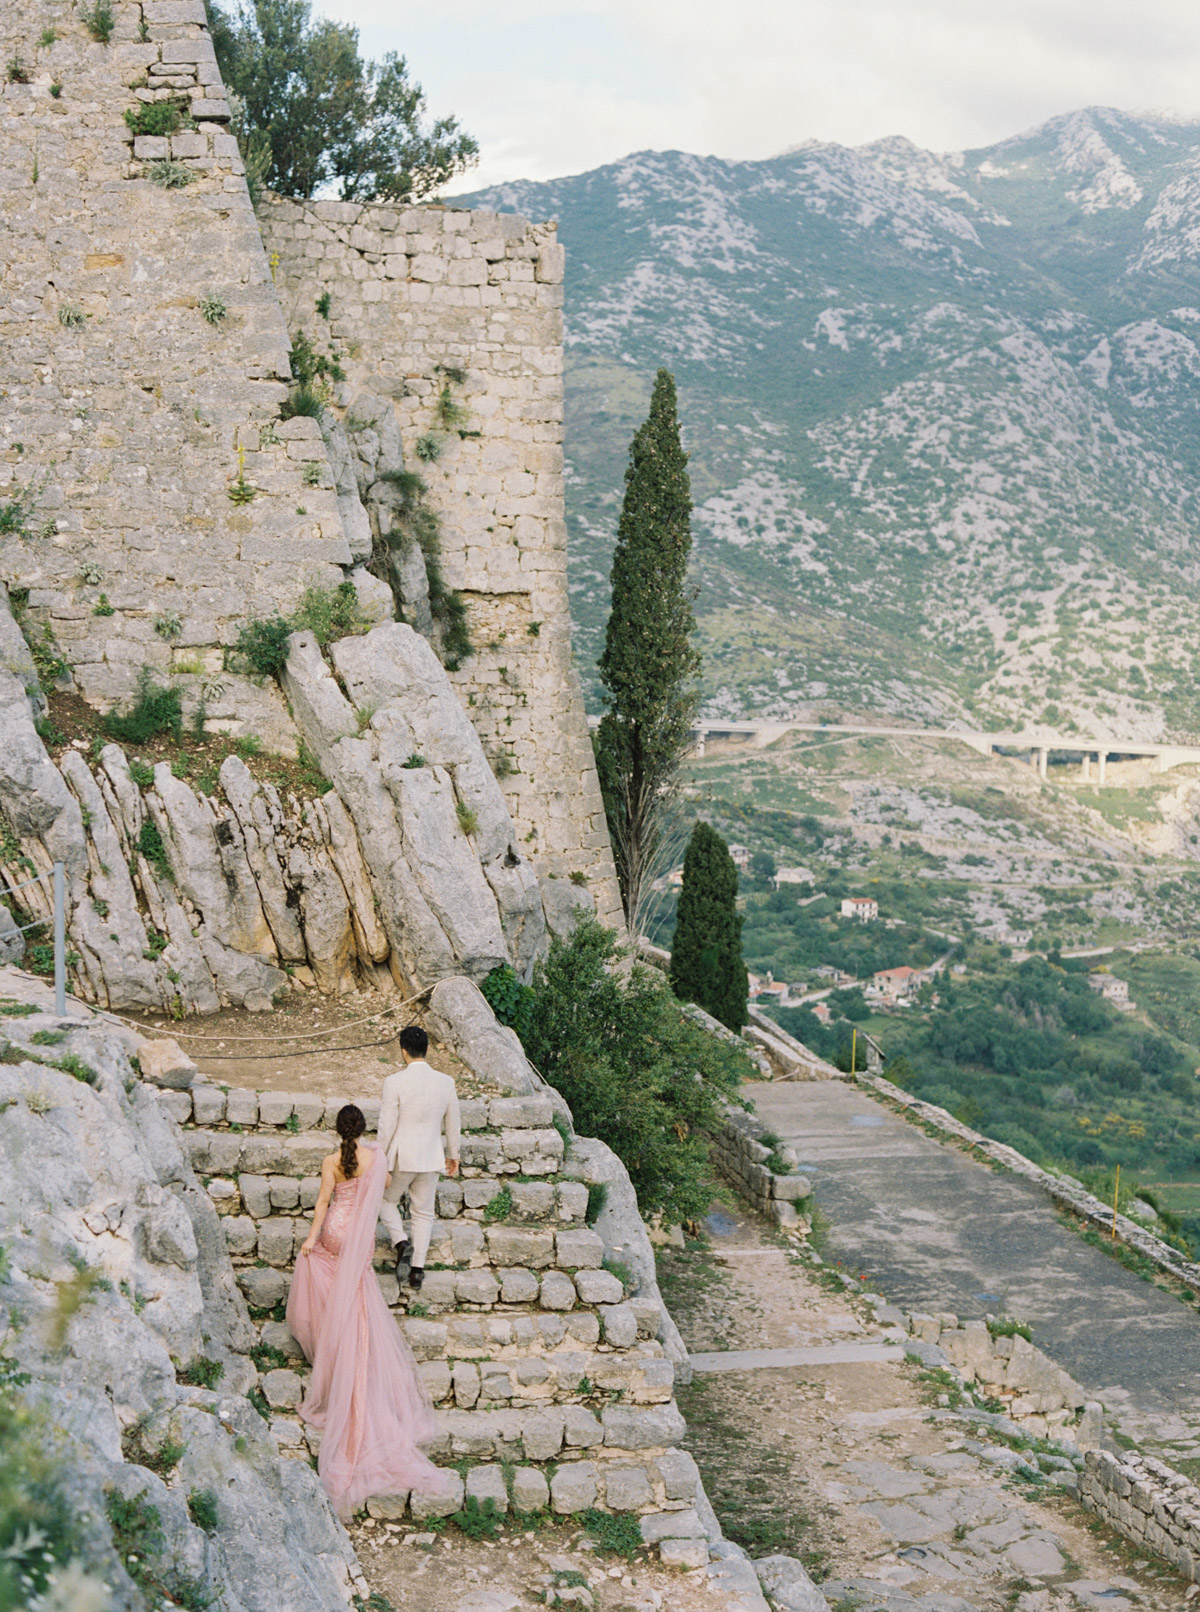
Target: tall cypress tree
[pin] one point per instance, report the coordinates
(706, 954)
(649, 666)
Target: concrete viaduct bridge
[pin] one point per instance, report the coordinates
(1039, 748)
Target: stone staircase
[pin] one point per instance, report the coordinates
(552, 1386)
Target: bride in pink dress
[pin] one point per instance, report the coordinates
(364, 1392)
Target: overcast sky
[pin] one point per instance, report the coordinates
(552, 87)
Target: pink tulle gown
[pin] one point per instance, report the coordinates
(364, 1392)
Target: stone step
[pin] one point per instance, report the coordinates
(211, 1106)
(561, 1203)
(481, 1288)
(527, 1151)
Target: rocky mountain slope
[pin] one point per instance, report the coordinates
(941, 410)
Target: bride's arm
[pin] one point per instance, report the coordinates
(323, 1197)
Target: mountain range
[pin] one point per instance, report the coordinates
(942, 411)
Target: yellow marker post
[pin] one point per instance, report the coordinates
(854, 1050)
(1116, 1195)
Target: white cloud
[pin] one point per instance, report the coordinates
(550, 87)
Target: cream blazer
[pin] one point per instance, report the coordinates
(419, 1103)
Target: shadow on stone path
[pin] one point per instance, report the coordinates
(935, 1230)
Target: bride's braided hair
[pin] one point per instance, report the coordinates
(350, 1126)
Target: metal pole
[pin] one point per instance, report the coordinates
(60, 943)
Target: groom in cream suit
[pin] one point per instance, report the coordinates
(419, 1105)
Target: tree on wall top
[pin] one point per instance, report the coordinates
(311, 113)
(649, 667)
(706, 954)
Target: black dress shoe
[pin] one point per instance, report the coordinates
(415, 1277)
(403, 1255)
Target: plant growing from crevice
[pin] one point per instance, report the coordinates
(17, 73)
(168, 175)
(329, 613)
(155, 710)
(202, 1509)
(100, 21)
(324, 303)
(428, 448)
(150, 844)
(468, 819)
(213, 309)
(157, 117)
(15, 512)
(415, 521)
(70, 317)
(169, 626)
(102, 607)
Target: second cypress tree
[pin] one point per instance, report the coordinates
(706, 954)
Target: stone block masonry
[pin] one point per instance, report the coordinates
(1153, 1506)
(552, 1384)
(430, 303)
(125, 414)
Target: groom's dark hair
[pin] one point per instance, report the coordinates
(414, 1040)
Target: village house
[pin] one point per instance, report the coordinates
(741, 858)
(861, 907)
(821, 1012)
(894, 984)
(792, 876)
(1112, 990)
(768, 990)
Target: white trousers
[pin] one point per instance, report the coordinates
(421, 1186)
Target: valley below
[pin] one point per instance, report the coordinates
(1048, 928)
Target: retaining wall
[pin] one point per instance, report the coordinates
(1155, 1507)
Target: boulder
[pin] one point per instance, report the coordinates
(166, 1064)
(460, 1016)
(788, 1584)
(564, 904)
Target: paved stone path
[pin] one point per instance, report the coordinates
(915, 1507)
(837, 1354)
(936, 1230)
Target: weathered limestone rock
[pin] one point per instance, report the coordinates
(788, 1584)
(166, 1064)
(564, 904)
(256, 807)
(460, 1016)
(15, 657)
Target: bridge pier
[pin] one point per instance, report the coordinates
(1085, 767)
(1043, 762)
(1102, 765)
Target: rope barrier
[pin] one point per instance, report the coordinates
(307, 1035)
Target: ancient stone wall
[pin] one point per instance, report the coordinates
(126, 415)
(1153, 1506)
(455, 318)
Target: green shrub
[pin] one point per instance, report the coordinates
(141, 772)
(202, 1509)
(150, 844)
(155, 710)
(38, 1529)
(597, 1199)
(499, 1207)
(329, 613)
(302, 400)
(479, 1521)
(429, 448)
(157, 117)
(264, 644)
(468, 820)
(635, 1072)
(508, 999)
(201, 1372)
(1005, 1327)
(213, 309)
(17, 73)
(72, 1064)
(324, 303)
(616, 1533)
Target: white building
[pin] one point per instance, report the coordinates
(861, 907)
(792, 876)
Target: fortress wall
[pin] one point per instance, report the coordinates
(127, 425)
(419, 295)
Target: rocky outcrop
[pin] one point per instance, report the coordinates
(406, 873)
(118, 1288)
(457, 895)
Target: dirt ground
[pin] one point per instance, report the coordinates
(856, 1467)
(446, 1572)
(236, 1048)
